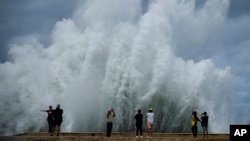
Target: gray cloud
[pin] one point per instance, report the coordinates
(19, 19)
(119, 58)
(239, 7)
(228, 47)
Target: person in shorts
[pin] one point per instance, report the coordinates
(150, 121)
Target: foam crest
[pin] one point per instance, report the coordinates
(117, 55)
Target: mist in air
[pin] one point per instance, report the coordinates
(125, 54)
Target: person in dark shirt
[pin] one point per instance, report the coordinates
(204, 124)
(58, 112)
(139, 122)
(50, 119)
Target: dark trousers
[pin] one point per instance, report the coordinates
(138, 128)
(51, 124)
(194, 131)
(109, 129)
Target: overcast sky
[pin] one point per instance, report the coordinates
(20, 18)
(30, 17)
(38, 17)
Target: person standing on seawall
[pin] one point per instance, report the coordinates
(194, 120)
(150, 121)
(204, 124)
(110, 116)
(50, 119)
(138, 123)
(58, 112)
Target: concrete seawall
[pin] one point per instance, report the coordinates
(100, 136)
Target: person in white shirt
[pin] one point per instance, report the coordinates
(150, 121)
(110, 117)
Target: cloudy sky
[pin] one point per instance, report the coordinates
(25, 18)
(18, 19)
(230, 46)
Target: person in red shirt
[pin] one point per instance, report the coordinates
(50, 119)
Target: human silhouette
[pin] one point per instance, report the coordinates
(58, 112)
(110, 116)
(204, 124)
(194, 120)
(138, 123)
(150, 121)
(50, 119)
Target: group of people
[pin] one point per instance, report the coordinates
(204, 123)
(54, 119)
(138, 122)
(150, 121)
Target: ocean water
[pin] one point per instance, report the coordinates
(124, 55)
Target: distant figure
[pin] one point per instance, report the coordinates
(139, 122)
(194, 120)
(150, 121)
(50, 119)
(110, 117)
(58, 118)
(204, 124)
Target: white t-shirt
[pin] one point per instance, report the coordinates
(150, 117)
(110, 117)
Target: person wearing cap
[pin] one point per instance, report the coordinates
(204, 124)
(138, 123)
(50, 119)
(110, 117)
(150, 121)
(194, 120)
(58, 112)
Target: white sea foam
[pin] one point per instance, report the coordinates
(115, 54)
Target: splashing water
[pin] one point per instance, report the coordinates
(124, 55)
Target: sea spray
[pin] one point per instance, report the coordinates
(122, 55)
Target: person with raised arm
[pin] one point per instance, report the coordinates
(110, 116)
(50, 119)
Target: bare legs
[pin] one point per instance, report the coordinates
(150, 129)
